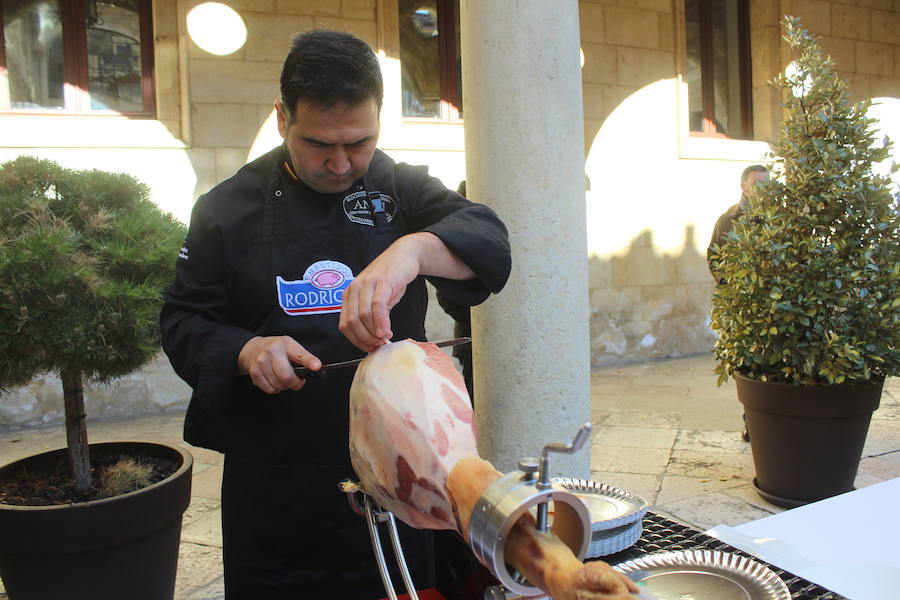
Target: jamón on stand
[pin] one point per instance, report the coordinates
(412, 445)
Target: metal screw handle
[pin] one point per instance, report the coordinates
(543, 481)
(580, 438)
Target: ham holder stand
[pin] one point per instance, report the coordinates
(528, 489)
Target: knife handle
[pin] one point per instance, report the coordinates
(305, 373)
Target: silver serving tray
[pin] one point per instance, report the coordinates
(705, 575)
(609, 506)
(610, 541)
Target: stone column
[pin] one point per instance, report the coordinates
(524, 138)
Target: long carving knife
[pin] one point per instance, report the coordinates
(305, 373)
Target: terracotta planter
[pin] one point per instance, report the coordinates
(110, 549)
(806, 440)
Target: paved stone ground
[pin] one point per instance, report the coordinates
(662, 429)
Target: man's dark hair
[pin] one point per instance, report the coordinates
(328, 68)
(752, 169)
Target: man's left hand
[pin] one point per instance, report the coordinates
(368, 300)
(365, 313)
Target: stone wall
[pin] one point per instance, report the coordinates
(153, 389)
(649, 214)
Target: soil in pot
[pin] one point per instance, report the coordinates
(51, 484)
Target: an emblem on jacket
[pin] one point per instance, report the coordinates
(361, 206)
(320, 291)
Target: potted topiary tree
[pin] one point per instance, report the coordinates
(84, 258)
(808, 314)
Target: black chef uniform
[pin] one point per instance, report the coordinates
(267, 255)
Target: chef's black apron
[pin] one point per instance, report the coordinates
(289, 532)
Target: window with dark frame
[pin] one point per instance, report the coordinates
(718, 68)
(84, 57)
(430, 66)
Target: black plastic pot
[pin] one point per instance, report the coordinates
(806, 440)
(110, 549)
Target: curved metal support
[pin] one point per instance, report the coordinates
(372, 521)
(354, 493)
(401, 559)
(363, 504)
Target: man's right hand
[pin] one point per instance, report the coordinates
(269, 361)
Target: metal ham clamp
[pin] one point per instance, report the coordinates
(509, 498)
(526, 490)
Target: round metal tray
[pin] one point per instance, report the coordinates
(705, 575)
(609, 506)
(610, 541)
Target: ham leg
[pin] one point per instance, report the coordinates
(412, 445)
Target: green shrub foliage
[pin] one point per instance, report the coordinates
(84, 259)
(811, 270)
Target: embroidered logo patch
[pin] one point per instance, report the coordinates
(320, 291)
(358, 207)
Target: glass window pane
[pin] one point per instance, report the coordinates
(114, 55)
(459, 88)
(693, 75)
(419, 64)
(726, 67)
(33, 42)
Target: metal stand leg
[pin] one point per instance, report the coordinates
(401, 559)
(374, 515)
(372, 521)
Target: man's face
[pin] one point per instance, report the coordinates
(749, 187)
(330, 148)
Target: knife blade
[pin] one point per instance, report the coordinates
(305, 373)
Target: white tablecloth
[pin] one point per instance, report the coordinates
(849, 544)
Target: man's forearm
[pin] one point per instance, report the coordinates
(434, 257)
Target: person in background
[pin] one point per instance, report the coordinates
(750, 178)
(316, 252)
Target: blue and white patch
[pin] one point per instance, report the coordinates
(320, 291)
(360, 206)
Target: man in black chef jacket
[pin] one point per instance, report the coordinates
(313, 253)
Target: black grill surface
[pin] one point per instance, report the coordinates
(664, 535)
